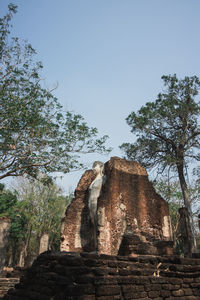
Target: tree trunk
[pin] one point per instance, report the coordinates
(186, 197)
(23, 252)
(21, 258)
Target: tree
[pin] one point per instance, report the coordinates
(12, 208)
(7, 200)
(18, 232)
(170, 190)
(39, 210)
(35, 134)
(168, 131)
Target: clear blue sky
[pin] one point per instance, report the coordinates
(108, 56)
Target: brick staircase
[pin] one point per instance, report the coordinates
(6, 284)
(84, 276)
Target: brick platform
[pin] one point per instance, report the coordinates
(87, 276)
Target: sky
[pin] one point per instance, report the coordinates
(107, 56)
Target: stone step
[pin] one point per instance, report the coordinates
(6, 284)
(92, 276)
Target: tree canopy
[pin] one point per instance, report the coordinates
(35, 134)
(168, 130)
(35, 209)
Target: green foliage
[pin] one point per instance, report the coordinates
(171, 192)
(38, 209)
(43, 207)
(7, 201)
(167, 130)
(18, 223)
(35, 135)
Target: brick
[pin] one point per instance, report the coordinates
(165, 293)
(89, 255)
(133, 280)
(113, 271)
(104, 290)
(152, 287)
(88, 278)
(185, 285)
(113, 264)
(105, 280)
(135, 295)
(125, 272)
(154, 294)
(188, 292)
(175, 287)
(166, 286)
(196, 292)
(195, 284)
(87, 297)
(108, 298)
(190, 298)
(186, 280)
(178, 293)
(132, 288)
(79, 290)
(124, 264)
(92, 262)
(176, 280)
(71, 261)
(158, 280)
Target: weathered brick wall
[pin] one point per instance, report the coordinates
(132, 218)
(89, 276)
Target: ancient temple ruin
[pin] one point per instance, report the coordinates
(131, 217)
(114, 222)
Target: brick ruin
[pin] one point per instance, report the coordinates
(132, 218)
(86, 276)
(4, 235)
(134, 255)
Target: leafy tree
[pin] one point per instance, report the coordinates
(12, 208)
(18, 232)
(168, 131)
(7, 200)
(42, 207)
(35, 135)
(171, 192)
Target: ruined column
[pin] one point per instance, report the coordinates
(4, 239)
(44, 243)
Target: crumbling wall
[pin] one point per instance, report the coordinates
(130, 212)
(87, 276)
(75, 229)
(132, 218)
